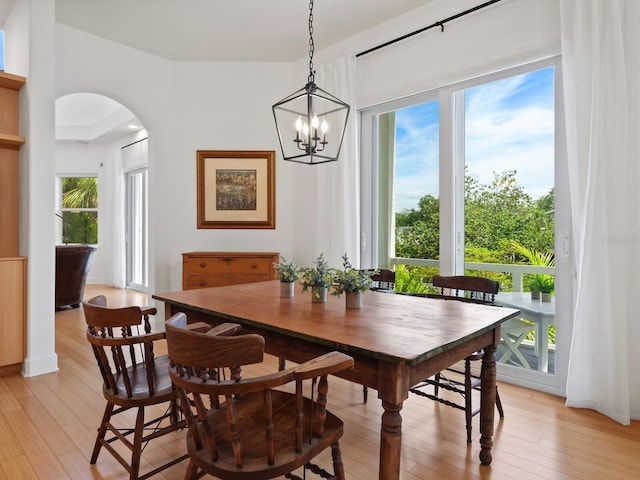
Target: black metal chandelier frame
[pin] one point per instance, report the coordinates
(309, 112)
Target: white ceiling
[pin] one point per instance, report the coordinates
(227, 30)
(94, 119)
(207, 30)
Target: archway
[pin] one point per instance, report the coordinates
(97, 137)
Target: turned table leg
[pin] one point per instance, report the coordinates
(487, 403)
(390, 441)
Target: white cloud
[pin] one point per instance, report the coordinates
(504, 130)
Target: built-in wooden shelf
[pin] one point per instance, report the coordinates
(9, 141)
(13, 268)
(9, 80)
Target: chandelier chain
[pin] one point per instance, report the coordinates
(312, 73)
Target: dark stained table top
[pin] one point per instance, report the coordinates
(397, 328)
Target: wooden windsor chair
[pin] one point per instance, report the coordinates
(133, 378)
(461, 381)
(251, 428)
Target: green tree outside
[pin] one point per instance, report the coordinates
(495, 215)
(79, 210)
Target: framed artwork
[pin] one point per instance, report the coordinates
(236, 189)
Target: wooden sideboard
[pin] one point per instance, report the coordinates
(13, 268)
(215, 269)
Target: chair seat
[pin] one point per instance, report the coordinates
(249, 409)
(141, 396)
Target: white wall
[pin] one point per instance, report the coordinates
(29, 32)
(500, 36)
(185, 107)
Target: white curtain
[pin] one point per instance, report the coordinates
(337, 218)
(601, 70)
(118, 267)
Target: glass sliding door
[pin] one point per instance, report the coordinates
(462, 180)
(509, 204)
(137, 229)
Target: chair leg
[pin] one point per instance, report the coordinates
(468, 409)
(365, 392)
(176, 412)
(192, 471)
(338, 467)
(436, 387)
(102, 431)
(499, 404)
(137, 445)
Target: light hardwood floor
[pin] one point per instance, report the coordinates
(48, 425)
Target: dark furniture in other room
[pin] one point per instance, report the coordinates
(72, 266)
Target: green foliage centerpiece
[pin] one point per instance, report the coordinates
(288, 273)
(317, 278)
(351, 281)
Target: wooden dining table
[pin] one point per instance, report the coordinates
(395, 340)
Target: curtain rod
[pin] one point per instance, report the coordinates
(436, 24)
(133, 143)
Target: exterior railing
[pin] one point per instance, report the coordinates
(516, 271)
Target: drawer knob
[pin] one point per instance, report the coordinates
(254, 265)
(203, 264)
(203, 283)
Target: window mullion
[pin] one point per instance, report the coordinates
(447, 181)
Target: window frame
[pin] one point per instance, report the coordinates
(130, 220)
(60, 209)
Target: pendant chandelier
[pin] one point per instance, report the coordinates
(311, 122)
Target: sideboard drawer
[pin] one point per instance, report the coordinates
(246, 265)
(206, 281)
(215, 269)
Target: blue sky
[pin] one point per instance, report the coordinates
(509, 125)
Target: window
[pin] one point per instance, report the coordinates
(458, 173)
(78, 209)
(456, 179)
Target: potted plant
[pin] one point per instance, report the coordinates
(534, 286)
(288, 273)
(539, 283)
(547, 285)
(317, 278)
(351, 281)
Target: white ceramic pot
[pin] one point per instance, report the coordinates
(287, 289)
(318, 294)
(354, 299)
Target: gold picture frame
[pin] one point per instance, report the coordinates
(236, 189)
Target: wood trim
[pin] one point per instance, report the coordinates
(11, 141)
(9, 80)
